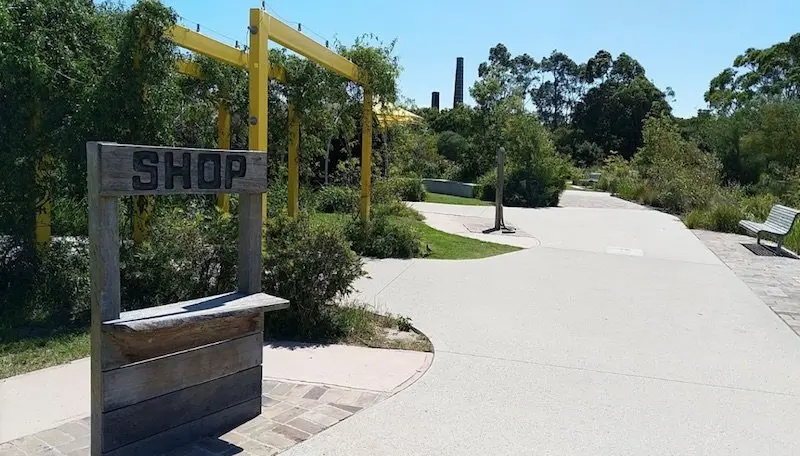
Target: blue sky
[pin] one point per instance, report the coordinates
(681, 43)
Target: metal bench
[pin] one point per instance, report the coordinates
(778, 224)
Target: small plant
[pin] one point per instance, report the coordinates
(336, 199)
(404, 324)
(398, 188)
(384, 237)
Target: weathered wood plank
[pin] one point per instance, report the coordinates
(123, 345)
(139, 421)
(187, 312)
(151, 170)
(104, 279)
(250, 224)
(148, 379)
(211, 425)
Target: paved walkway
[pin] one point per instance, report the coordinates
(775, 279)
(306, 389)
(620, 333)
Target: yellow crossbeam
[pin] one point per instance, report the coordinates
(202, 44)
(192, 69)
(292, 39)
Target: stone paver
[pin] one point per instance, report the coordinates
(291, 413)
(775, 279)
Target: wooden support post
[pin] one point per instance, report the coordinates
(105, 282)
(294, 162)
(258, 69)
(366, 155)
(224, 142)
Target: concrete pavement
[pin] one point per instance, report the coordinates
(621, 333)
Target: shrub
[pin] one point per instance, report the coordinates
(190, 255)
(45, 289)
(680, 176)
(487, 186)
(337, 199)
(616, 172)
(533, 186)
(757, 207)
(396, 208)
(398, 188)
(308, 265)
(534, 174)
(70, 217)
(722, 217)
(384, 237)
(698, 219)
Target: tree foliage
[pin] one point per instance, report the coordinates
(771, 73)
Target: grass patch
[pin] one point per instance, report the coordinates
(28, 354)
(439, 245)
(351, 324)
(450, 199)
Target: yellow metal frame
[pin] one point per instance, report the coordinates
(263, 28)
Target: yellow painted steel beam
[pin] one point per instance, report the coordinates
(189, 69)
(294, 162)
(258, 69)
(366, 156)
(192, 69)
(202, 44)
(292, 39)
(224, 142)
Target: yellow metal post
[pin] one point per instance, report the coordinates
(143, 206)
(43, 201)
(223, 142)
(258, 69)
(294, 162)
(366, 155)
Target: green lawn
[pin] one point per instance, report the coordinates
(446, 246)
(450, 199)
(28, 354)
(441, 245)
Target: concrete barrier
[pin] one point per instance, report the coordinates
(448, 187)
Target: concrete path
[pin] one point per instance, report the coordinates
(47, 398)
(621, 333)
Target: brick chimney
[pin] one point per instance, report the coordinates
(435, 100)
(458, 94)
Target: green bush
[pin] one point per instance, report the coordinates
(310, 266)
(336, 199)
(615, 173)
(189, 255)
(398, 188)
(535, 175)
(487, 186)
(534, 186)
(757, 207)
(396, 208)
(70, 217)
(384, 237)
(44, 289)
(699, 219)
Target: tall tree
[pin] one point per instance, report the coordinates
(773, 72)
(556, 96)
